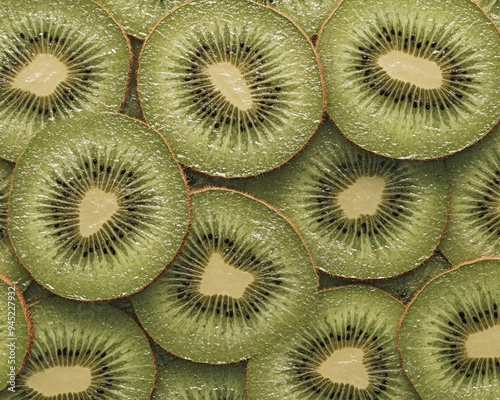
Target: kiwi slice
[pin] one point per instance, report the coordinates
(242, 277)
(346, 349)
(9, 264)
(183, 379)
(450, 334)
(85, 351)
(361, 215)
(411, 79)
(99, 207)
(16, 333)
(234, 86)
(60, 58)
(474, 223)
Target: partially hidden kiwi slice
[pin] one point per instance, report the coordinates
(414, 79)
(474, 223)
(345, 350)
(183, 379)
(450, 334)
(235, 87)
(242, 277)
(99, 207)
(85, 351)
(57, 58)
(16, 333)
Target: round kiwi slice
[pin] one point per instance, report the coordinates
(59, 58)
(99, 207)
(235, 87)
(85, 351)
(411, 80)
(16, 333)
(182, 380)
(474, 223)
(450, 334)
(242, 277)
(346, 349)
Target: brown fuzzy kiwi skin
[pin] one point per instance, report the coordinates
(297, 27)
(29, 321)
(416, 296)
(189, 204)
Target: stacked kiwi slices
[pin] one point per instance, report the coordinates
(247, 200)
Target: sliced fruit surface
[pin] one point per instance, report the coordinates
(345, 350)
(412, 79)
(242, 277)
(474, 223)
(16, 333)
(84, 351)
(99, 207)
(233, 86)
(58, 59)
(449, 336)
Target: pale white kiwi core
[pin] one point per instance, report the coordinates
(60, 380)
(230, 82)
(345, 366)
(221, 278)
(362, 197)
(96, 208)
(484, 344)
(423, 73)
(41, 76)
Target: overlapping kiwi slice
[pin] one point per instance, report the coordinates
(411, 79)
(85, 351)
(98, 207)
(450, 334)
(235, 87)
(57, 58)
(346, 349)
(242, 277)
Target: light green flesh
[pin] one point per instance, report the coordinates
(14, 333)
(243, 145)
(90, 37)
(145, 232)
(409, 239)
(183, 379)
(473, 225)
(287, 370)
(111, 347)
(281, 267)
(490, 8)
(426, 337)
(401, 130)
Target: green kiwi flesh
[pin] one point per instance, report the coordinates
(234, 87)
(473, 227)
(58, 59)
(16, 333)
(491, 8)
(450, 333)
(183, 379)
(346, 349)
(85, 351)
(415, 79)
(99, 207)
(242, 277)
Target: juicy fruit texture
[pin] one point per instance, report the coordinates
(345, 349)
(84, 351)
(57, 60)
(15, 333)
(100, 199)
(416, 79)
(242, 277)
(450, 333)
(474, 223)
(234, 87)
